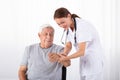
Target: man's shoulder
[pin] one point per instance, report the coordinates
(56, 46)
(33, 45)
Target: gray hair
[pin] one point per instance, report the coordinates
(45, 26)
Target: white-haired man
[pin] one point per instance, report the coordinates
(36, 64)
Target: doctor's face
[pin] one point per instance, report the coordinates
(64, 22)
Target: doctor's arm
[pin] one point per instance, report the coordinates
(67, 48)
(78, 53)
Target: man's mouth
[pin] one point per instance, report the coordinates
(48, 41)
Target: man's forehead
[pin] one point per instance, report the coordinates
(47, 30)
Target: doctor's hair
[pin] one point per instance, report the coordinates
(63, 12)
(45, 26)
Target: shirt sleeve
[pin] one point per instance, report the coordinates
(84, 36)
(84, 32)
(59, 49)
(25, 57)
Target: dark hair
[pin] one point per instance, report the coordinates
(63, 12)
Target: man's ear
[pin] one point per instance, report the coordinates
(38, 34)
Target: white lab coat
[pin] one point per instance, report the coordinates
(92, 61)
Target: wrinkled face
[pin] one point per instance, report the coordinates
(46, 36)
(64, 22)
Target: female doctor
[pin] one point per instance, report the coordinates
(84, 37)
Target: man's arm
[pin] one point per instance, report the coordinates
(22, 73)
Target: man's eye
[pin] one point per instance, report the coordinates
(44, 34)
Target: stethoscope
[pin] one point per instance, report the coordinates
(64, 42)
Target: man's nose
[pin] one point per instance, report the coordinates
(48, 36)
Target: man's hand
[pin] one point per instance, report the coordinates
(60, 58)
(63, 58)
(53, 57)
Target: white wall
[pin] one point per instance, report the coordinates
(20, 21)
(118, 37)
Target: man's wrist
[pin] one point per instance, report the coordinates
(64, 54)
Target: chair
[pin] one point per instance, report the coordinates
(64, 69)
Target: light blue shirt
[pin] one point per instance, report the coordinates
(39, 67)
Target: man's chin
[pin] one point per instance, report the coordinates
(49, 43)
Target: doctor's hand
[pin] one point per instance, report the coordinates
(62, 58)
(62, 53)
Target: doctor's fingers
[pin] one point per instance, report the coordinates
(62, 56)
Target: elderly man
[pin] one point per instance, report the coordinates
(40, 61)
